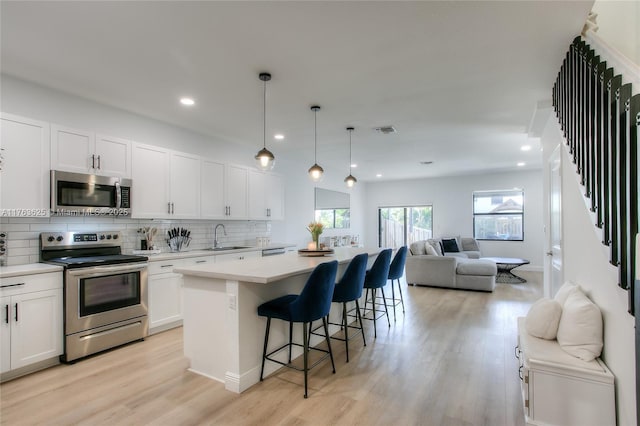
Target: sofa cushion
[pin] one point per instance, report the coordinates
(450, 245)
(543, 318)
(417, 248)
(436, 244)
(580, 328)
(430, 250)
(476, 267)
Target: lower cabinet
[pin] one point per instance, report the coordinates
(237, 256)
(31, 328)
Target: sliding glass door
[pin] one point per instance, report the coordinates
(399, 226)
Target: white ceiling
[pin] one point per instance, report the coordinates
(459, 80)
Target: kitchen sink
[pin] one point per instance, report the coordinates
(227, 248)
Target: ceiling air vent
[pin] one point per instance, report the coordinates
(426, 163)
(385, 129)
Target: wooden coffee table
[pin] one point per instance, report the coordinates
(505, 265)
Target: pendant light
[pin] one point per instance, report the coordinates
(315, 172)
(264, 158)
(350, 180)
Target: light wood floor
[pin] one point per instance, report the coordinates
(448, 361)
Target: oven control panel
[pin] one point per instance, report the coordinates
(80, 239)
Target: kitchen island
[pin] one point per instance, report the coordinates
(223, 334)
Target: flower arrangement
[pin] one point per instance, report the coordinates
(315, 228)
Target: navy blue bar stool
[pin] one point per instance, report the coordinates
(349, 289)
(376, 278)
(396, 271)
(313, 303)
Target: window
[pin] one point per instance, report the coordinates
(498, 215)
(334, 218)
(399, 226)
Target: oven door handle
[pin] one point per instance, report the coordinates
(94, 271)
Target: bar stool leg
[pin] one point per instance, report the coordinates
(264, 351)
(305, 338)
(290, 339)
(393, 301)
(326, 333)
(373, 302)
(385, 306)
(401, 298)
(360, 319)
(366, 299)
(346, 328)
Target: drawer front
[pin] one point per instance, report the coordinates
(30, 283)
(202, 260)
(164, 266)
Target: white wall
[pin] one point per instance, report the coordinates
(619, 24)
(586, 262)
(452, 200)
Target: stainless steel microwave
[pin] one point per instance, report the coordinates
(79, 194)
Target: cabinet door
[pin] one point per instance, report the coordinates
(150, 175)
(236, 192)
(36, 329)
(24, 169)
(257, 195)
(275, 197)
(113, 156)
(72, 150)
(5, 334)
(185, 186)
(165, 299)
(212, 184)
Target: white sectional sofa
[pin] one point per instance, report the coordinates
(455, 270)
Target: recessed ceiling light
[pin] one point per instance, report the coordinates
(278, 136)
(521, 164)
(354, 165)
(525, 148)
(187, 101)
(378, 175)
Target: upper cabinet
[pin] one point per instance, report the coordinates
(266, 196)
(166, 184)
(80, 151)
(236, 192)
(212, 190)
(24, 166)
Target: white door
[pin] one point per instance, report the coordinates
(212, 184)
(185, 186)
(24, 169)
(37, 333)
(5, 334)
(150, 175)
(555, 222)
(72, 150)
(113, 156)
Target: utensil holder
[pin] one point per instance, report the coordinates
(177, 243)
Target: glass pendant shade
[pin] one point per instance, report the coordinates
(350, 181)
(265, 160)
(316, 173)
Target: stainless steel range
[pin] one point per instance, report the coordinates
(105, 291)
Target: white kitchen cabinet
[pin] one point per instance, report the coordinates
(150, 187)
(31, 319)
(266, 196)
(165, 295)
(236, 192)
(81, 151)
(24, 166)
(212, 190)
(237, 256)
(185, 186)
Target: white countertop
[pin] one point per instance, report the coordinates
(28, 269)
(197, 252)
(273, 268)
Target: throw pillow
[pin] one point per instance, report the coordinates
(580, 328)
(417, 248)
(450, 245)
(543, 319)
(436, 244)
(430, 250)
(564, 291)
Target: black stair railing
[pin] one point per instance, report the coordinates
(600, 119)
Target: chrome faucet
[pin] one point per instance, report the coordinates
(215, 235)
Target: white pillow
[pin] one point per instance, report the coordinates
(430, 250)
(564, 291)
(543, 318)
(580, 328)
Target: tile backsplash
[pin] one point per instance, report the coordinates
(22, 244)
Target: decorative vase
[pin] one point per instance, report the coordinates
(316, 239)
